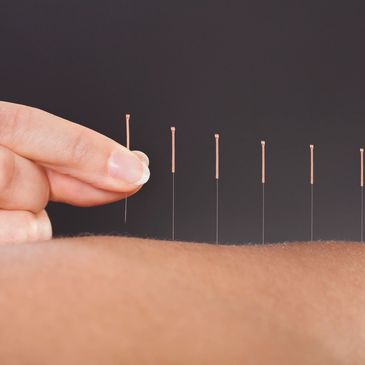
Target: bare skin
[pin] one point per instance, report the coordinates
(46, 158)
(113, 300)
(110, 300)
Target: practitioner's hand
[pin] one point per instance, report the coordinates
(44, 157)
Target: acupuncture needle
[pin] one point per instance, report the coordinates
(263, 182)
(127, 118)
(216, 136)
(173, 181)
(311, 181)
(362, 194)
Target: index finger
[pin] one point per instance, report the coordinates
(70, 148)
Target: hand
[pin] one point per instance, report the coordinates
(46, 158)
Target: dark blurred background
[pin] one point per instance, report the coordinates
(290, 72)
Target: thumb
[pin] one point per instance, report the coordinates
(70, 149)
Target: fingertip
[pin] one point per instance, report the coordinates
(142, 156)
(44, 227)
(39, 227)
(145, 175)
(127, 167)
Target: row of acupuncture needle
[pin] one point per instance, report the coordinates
(173, 167)
(263, 183)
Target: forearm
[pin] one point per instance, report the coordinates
(118, 300)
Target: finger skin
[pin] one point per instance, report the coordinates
(22, 226)
(23, 184)
(66, 147)
(67, 189)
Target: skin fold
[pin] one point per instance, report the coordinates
(115, 300)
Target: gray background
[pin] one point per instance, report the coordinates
(290, 72)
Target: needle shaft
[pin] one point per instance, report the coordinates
(173, 182)
(362, 194)
(263, 213)
(217, 211)
(173, 209)
(362, 215)
(125, 209)
(311, 213)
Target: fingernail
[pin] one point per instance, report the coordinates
(44, 227)
(142, 156)
(124, 165)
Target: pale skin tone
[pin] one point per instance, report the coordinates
(46, 158)
(114, 300)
